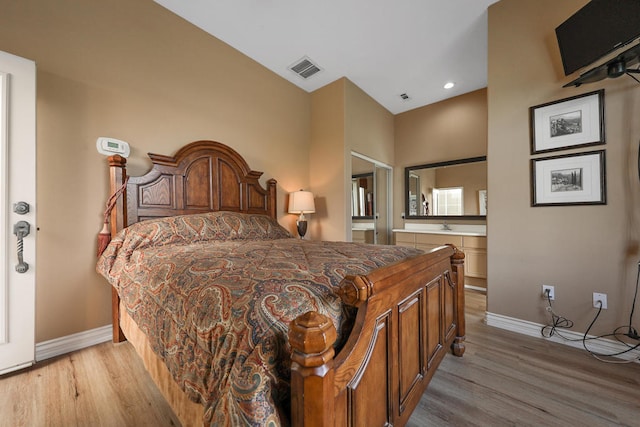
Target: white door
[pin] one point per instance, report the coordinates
(18, 184)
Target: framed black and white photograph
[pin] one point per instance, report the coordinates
(568, 123)
(572, 179)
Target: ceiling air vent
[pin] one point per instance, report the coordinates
(404, 96)
(305, 68)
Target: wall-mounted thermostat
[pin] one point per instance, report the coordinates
(111, 146)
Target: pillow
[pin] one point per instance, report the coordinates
(186, 229)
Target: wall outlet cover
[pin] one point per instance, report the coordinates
(599, 297)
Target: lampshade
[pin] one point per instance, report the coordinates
(301, 202)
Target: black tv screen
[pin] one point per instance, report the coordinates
(600, 27)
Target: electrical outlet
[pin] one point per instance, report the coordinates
(552, 292)
(599, 297)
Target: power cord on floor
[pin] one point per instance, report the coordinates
(556, 321)
(559, 322)
(615, 334)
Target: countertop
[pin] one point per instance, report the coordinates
(456, 229)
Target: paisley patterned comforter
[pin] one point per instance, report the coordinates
(214, 293)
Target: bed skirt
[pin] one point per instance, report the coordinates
(189, 413)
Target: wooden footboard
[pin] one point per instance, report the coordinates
(408, 314)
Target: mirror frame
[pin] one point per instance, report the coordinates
(407, 172)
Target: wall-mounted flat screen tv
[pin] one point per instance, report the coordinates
(597, 29)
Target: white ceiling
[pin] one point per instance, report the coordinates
(385, 47)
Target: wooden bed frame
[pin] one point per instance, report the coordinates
(408, 313)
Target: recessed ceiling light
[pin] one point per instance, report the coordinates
(449, 85)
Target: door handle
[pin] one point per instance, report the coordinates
(21, 230)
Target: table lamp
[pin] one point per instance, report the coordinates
(301, 202)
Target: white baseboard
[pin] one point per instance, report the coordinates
(600, 346)
(56, 347)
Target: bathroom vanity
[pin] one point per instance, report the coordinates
(362, 235)
(471, 239)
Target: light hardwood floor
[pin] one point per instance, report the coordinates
(504, 379)
(508, 379)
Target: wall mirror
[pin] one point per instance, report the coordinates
(456, 188)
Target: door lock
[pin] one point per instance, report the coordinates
(21, 208)
(21, 229)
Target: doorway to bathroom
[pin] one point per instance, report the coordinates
(371, 187)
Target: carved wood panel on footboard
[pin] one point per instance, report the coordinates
(408, 315)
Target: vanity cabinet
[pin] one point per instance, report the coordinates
(362, 236)
(405, 239)
(474, 248)
(430, 241)
(475, 251)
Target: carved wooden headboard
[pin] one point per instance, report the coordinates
(203, 176)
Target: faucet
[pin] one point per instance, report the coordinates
(446, 226)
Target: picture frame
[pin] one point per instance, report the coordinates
(570, 179)
(572, 122)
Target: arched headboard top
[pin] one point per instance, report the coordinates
(204, 148)
(203, 176)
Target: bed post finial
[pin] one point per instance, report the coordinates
(311, 336)
(355, 290)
